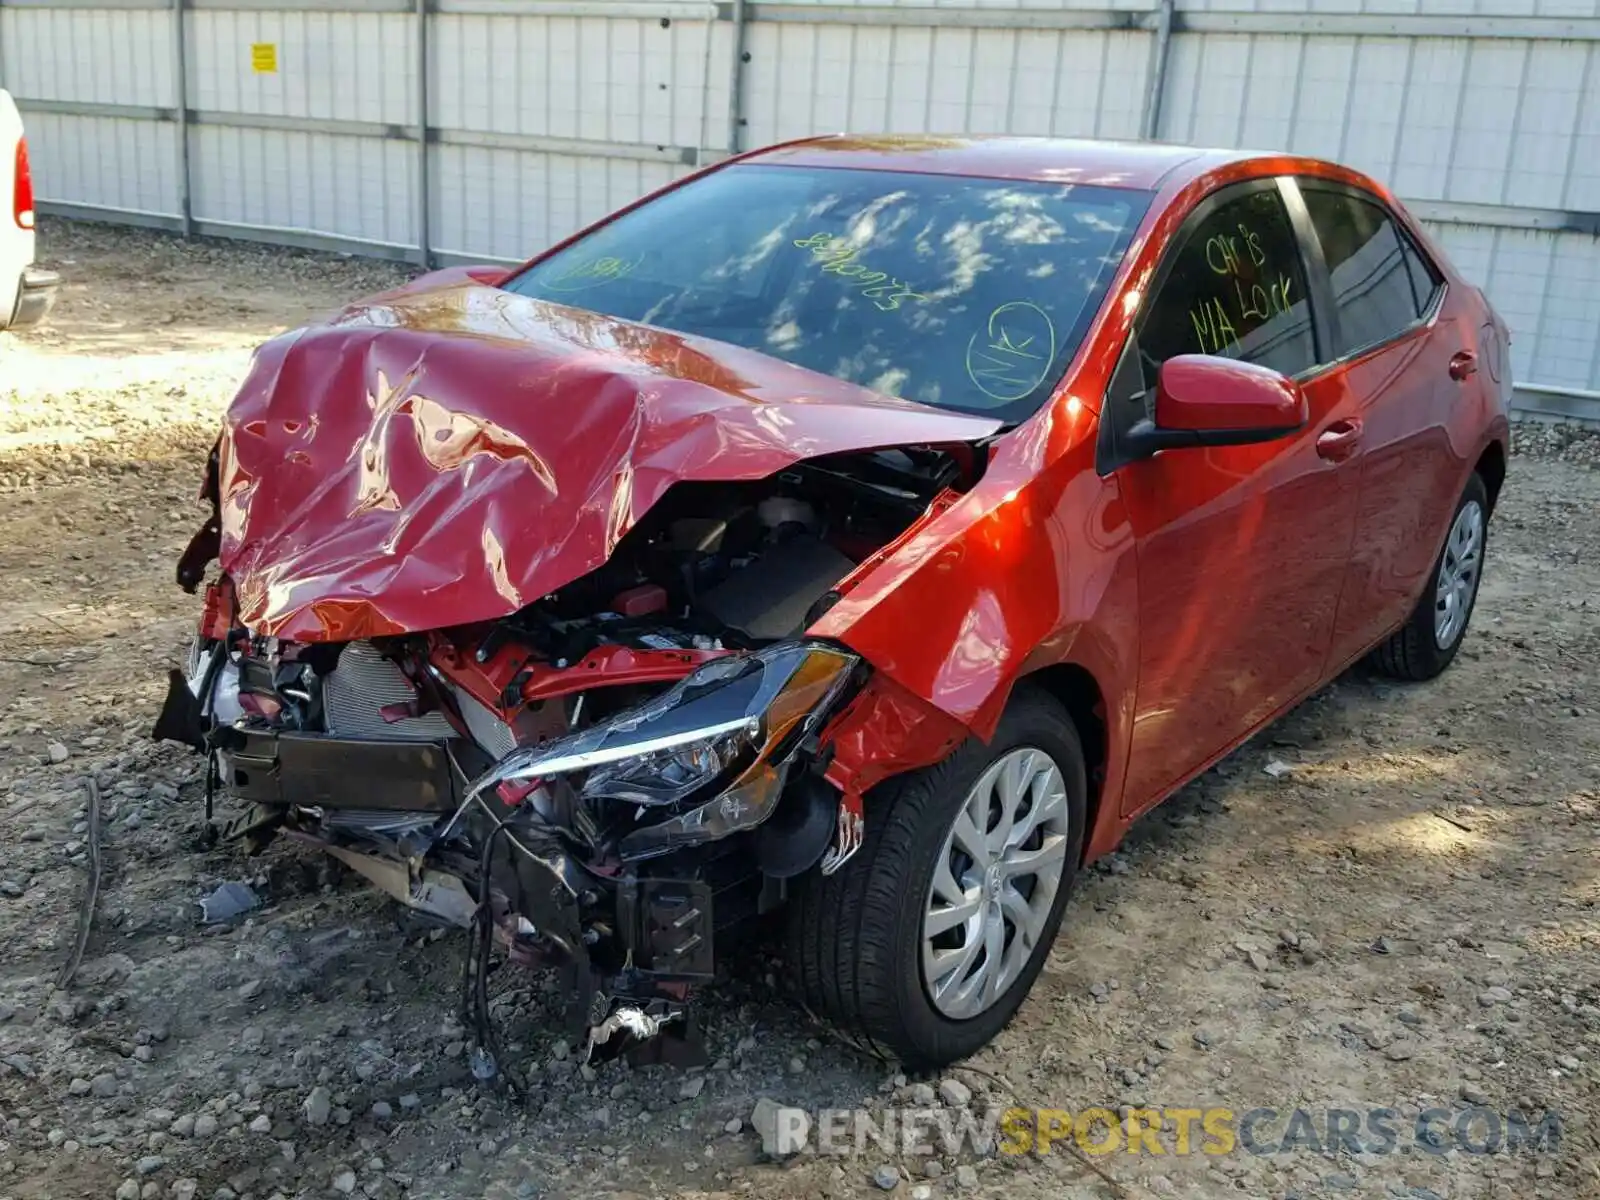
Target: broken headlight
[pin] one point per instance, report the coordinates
(729, 729)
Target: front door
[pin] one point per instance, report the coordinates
(1241, 549)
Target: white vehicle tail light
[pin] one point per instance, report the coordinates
(22, 188)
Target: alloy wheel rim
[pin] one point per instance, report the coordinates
(1458, 575)
(994, 883)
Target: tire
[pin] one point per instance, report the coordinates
(1417, 650)
(856, 938)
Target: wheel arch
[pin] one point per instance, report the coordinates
(1075, 688)
(1491, 466)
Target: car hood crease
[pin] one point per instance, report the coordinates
(451, 452)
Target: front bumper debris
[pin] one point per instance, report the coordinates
(315, 770)
(182, 717)
(436, 894)
(539, 851)
(630, 947)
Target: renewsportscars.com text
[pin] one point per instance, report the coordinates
(1163, 1131)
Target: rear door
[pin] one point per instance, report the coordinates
(1403, 361)
(1241, 550)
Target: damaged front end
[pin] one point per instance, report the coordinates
(608, 781)
(625, 848)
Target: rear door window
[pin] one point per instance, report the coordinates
(1381, 285)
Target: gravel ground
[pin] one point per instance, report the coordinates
(1404, 913)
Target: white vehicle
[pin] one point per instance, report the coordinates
(26, 291)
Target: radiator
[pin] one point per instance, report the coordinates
(354, 696)
(365, 682)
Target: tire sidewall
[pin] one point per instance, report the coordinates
(1031, 720)
(1442, 655)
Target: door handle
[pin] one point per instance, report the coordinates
(1339, 441)
(1463, 363)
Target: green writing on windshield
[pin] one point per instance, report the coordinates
(838, 257)
(591, 272)
(1011, 355)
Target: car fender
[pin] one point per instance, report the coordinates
(1031, 569)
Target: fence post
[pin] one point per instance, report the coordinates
(180, 53)
(736, 78)
(1158, 70)
(424, 183)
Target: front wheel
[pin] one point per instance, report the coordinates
(1427, 643)
(926, 943)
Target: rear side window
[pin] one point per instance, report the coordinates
(1426, 283)
(1236, 289)
(1381, 285)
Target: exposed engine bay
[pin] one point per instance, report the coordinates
(605, 781)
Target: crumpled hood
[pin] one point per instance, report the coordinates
(451, 452)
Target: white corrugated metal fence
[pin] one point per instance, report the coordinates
(464, 129)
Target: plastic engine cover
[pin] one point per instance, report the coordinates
(770, 598)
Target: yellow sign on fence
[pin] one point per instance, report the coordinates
(264, 58)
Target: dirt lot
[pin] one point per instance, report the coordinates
(1405, 914)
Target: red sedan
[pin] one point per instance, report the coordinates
(870, 527)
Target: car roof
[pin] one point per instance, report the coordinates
(1145, 166)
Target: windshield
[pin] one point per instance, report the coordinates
(964, 293)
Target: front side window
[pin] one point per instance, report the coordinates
(1379, 287)
(1236, 289)
(970, 294)
(1233, 285)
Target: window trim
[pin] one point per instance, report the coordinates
(1319, 292)
(1429, 316)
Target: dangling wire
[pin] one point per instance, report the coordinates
(208, 687)
(213, 777)
(489, 1060)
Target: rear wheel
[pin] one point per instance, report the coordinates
(925, 944)
(1427, 643)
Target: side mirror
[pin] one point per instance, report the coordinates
(1207, 401)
